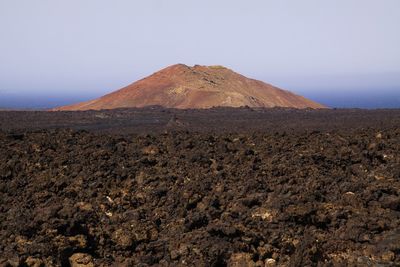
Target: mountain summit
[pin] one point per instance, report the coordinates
(181, 86)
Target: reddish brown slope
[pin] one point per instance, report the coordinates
(181, 86)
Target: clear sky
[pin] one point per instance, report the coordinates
(339, 52)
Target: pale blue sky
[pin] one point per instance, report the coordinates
(58, 51)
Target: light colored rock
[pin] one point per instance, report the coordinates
(34, 262)
(263, 213)
(150, 150)
(241, 260)
(388, 256)
(81, 260)
(270, 262)
(13, 262)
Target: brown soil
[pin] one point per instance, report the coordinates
(309, 193)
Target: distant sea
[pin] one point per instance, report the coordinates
(355, 99)
(352, 99)
(37, 102)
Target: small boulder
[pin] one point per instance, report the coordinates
(241, 260)
(122, 238)
(388, 256)
(182, 250)
(81, 260)
(34, 262)
(270, 262)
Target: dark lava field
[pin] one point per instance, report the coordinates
(218, 187)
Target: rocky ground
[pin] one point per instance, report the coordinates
(272, 197)
(216, 120)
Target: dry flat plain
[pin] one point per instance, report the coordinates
(217, 187)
